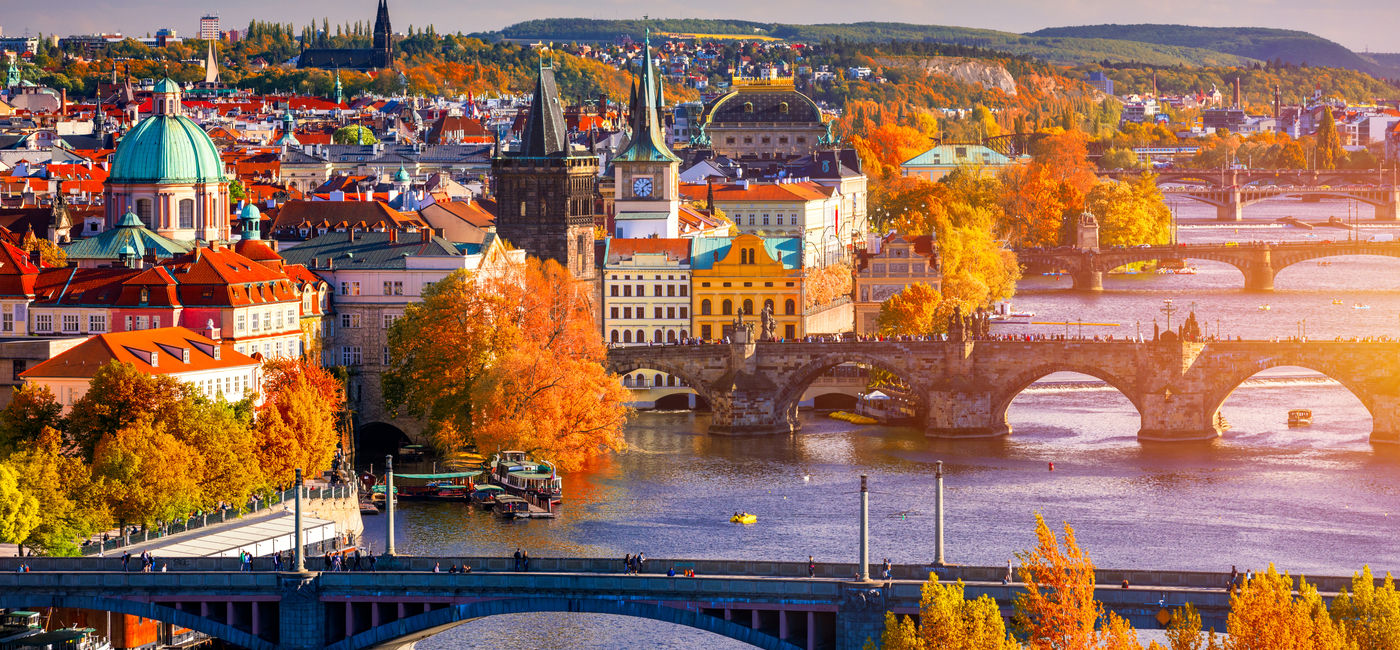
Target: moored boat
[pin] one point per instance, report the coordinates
(1299, 418)
(447, 486)
(508, 506)
(521, 476)
(485, 495)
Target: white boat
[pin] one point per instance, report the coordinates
(1265, 307)
(1189, 270)
(1360, 306)
(1004, 314)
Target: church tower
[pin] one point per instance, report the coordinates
(383, 48)
(646, 173)
(545, 188)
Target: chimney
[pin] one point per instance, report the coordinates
(1278, 103)
(62, 102)
(427, 234)
(393, 235)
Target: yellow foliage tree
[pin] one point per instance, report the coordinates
(19, 511)
(50, 255)
(913, 311)
(147, 474)
(947, 619)
(900, 634)
(1369, 616)
(1266, 614)
(1058, 610)
(62, 485)
(1130, 213)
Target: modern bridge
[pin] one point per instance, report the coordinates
(964, 388)
(765, 604)
(1259, 262)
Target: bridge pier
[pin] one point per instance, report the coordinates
(1232, 208)
(964, 413)
(1259, 273)
(1169, 416)
(744, 412)
(860, 615)
(1386, 211)
(301, 616)
(1087, 280)
(1385, 418)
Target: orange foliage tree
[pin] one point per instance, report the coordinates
(1267, 614)
(508, 361)
(298, 422)
(1058, 610)
(1038, 196)
(824, 284)
(912, 311)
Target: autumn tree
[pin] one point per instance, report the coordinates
(69, 507)
(900, 634)
(888, 145)
(508, 361)
(147, 474)
(19, 511)
(912, 311)
(297, 427)
(118, 396)
(948, 619)
(1184, 630)
(1058, 610)
(1369, 616)
(32, 409)
(221, 433)
(1130, 213)
(50, 255)
(1268, 614)
(1329, 153)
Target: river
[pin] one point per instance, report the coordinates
(1318, 500)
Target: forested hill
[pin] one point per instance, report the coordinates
(1059, 50)
(1254, 42)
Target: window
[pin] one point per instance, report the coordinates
(685, 313)
(394, 288)
(155, 322)
(626, 336)
(143, 210)
(670, 312)
(186, 213)
(256, 322)
(614, 336)
(656, 290)
(780, 220)
(790, 331)
(349, 288)
(97, 322)
(790, 307)
(389, 320)
(613, 313)
(765, 219)
(705, 332)
(670, 290)
(656, 312)
(612, 291)
(641, 290)
(141, 323)
(726, 308)
(7, 320)
(70, 322)
(291, 317)
(350, 355)
(627, 291)
(627, 312)
(685, 290)
(705, 307)
(43, 322)
(128, 324)
(17, 366)
(279, 320)
(347, 320)
(240, 322)
(386, 355)
(748, 307)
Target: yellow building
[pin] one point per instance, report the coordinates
(742, 275)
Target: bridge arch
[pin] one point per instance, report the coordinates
(799, 380)
(376, 438)
(623, 368)
(1228, 382)
(1018, 383)
(618, 606)
(149, 610)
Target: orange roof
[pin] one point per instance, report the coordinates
(805, 191)
(163, 351)
(472, 212)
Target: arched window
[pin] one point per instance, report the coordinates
(143, 210)
(614, 336)
(186, 213)
(626, 336)
(748, 107)
(671, 380)
(641, 336)
(627, 380)
(790, 307)
(782, 107)
(656, 336)
(659, 380)
(768, 306)
(670, 336)
(705, 307)
(726, 308)
(748, 307)
(684, 335)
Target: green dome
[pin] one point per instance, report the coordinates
(402, 175)
(250, 211)
(166, 85)
(167, 149)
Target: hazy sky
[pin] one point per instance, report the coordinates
(1358, 24)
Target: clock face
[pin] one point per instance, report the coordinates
(641, 187)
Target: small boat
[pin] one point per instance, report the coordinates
(1190, 270)
(1299, 418)
(367, 508)
(446, 486)
(744, 518)
(847, 416)
(485, 495)
(1337, 301)
(1003, 314)
(520, 475)
(1360, 306)
(1265, 307)
(509, 506)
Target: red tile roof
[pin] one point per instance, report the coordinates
(806, 191)
(167, 347)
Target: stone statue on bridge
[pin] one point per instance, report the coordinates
(769, 323)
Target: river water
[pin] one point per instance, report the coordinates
(1318, 500)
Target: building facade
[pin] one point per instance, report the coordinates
(741, 276)
(885, 267)
(646, 291)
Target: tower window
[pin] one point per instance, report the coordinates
(186, 213)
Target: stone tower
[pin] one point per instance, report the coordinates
(647, 173)
(1085, 232)
(545, 188)
(383, 47)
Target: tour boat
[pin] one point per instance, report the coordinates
(1360, 306)
(744, 518)
(485, 495)
(511, 507)
(1003, 314)
(448, 486)
(884, 407)
(521, 476)
(1299, 418)
(1265, 307)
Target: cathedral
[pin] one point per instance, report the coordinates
(377, 57)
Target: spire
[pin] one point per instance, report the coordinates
(211, 66)
(647, 143)
(544, 133)
(339, 89)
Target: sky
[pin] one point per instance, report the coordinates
(1358, 24)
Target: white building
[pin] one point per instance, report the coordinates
(646, 291)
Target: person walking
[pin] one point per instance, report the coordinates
(126, 561)
(357, 559)
(517, 558)
(525, 561)
(885, 569)
(372, 560)
(811, 567)
(627, 563)
(277, 562)
(641, 561)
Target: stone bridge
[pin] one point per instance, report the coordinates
(1243, 177)
(765, 604)
(1258, 262)
(965, 388)
(1230, 190)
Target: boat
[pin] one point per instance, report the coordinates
(1190, 270)
(1299, 418)
(1337, 301)
(885, 407)
(368, 508)
(847, 416)
(509, 506)
(1360, 306)
(485, 495)
(1265, 307)
(521, 476)
(376, 495)
(446, 486)
(744, 518)
(1003, 314)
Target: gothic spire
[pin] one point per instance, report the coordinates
(544, 132)
(647, 143)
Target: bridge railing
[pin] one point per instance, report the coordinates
(205, 519)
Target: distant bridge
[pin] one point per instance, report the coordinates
(963, 389)
(765, 604)
(1259, 262)
(1230, 190)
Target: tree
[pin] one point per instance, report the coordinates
(1329, 144)
(221, 434)
(1369, 616)
(900, 634)
(147, 474)
(947, 619)
(1184, 631)
(912, 311)
(236, 191)
(31, 410)
(69, 509)
(354, 134)
(510, 360)
(1130, 213)
(1119, 158)
(1291, 156)
(1058, 610)
(296, 428)
(19, 512)
(50, 255)
(1266, 614)
(118, 396)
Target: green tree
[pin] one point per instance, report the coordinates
(1119, 158)
(1329, 154)
(354, 134)
(19, 512)
(236, 191)
(69, 508)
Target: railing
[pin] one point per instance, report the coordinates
(196, 522)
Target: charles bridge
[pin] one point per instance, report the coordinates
(765, 604)
(1230, 190)
(1258, 261)
(963, 388)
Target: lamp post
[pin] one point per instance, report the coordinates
(864, 559)
(938, 521)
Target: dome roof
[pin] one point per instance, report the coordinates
(250, 211)
(167, 149)
(766, 105)
(402, 175)
(166, 85)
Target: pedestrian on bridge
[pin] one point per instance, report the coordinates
(525, 561)
(811, 567)
(517, 558)
(357, 558)
(126, 561)
(627, 563)
(277, 562)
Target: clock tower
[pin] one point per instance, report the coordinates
(647, 173)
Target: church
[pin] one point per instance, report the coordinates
(377, 57)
